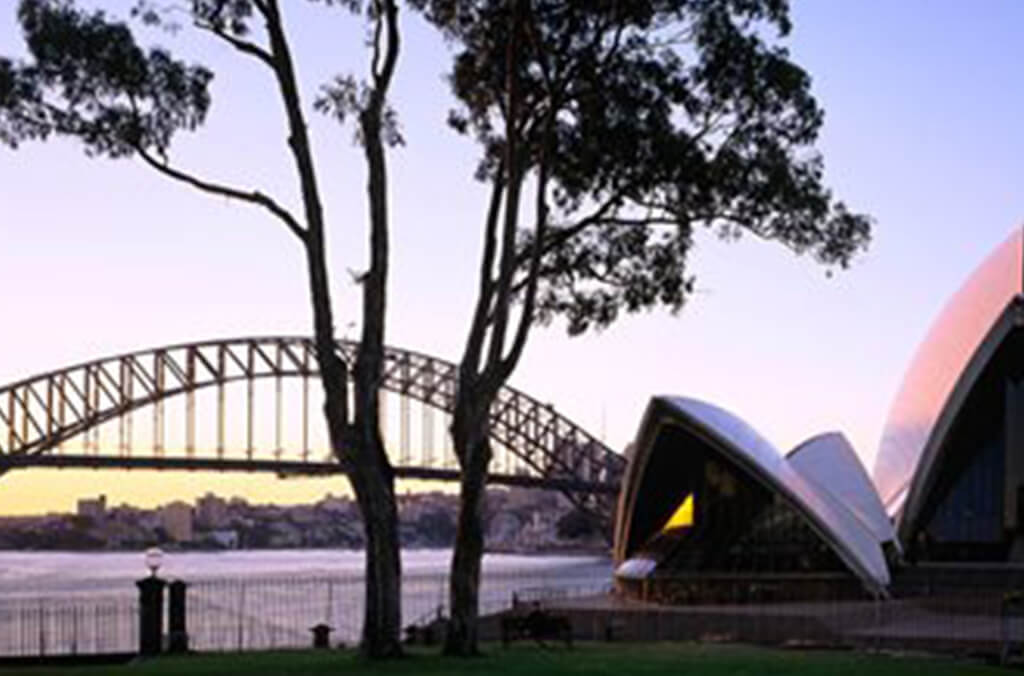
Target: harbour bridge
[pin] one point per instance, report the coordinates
(243, 405)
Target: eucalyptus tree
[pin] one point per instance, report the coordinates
(88, 78)
(615, 129)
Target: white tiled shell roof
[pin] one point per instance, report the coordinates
(829, 462)
(937, 365)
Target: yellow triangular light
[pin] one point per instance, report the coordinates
(682, 517)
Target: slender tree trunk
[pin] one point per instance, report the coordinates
(382, 619)
(479, 388)
(375, 479)
(360, 446)
(472, 446)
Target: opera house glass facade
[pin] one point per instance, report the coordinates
(710, 511)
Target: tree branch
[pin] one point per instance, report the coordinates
(485, 294)
(377, 29)
(253, 197)
(384, 75)
(510, 361)
(507, 264)
(334, 371)
(556, 238)
(244, 46)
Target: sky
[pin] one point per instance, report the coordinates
(922, 101)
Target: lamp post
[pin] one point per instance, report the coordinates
(154, 558)
(151, 605)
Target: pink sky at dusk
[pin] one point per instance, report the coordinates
(922, 130)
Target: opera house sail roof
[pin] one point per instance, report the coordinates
(946, 369)
(705, 491)
(707, 501)
(829, 462)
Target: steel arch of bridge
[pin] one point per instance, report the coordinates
(38, 414)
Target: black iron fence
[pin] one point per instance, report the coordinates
(68, 626)
(256, 614)
(276, 612)
(230, 614)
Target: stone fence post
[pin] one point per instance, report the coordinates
(177, 629)
(151, 614)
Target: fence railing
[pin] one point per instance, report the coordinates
(68, 626)
(255, 614)
(231, 614)
(266, 613)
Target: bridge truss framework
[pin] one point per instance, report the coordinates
(38, 415)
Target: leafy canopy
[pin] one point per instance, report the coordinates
(653, 116)
(668, 114)
(88, 78)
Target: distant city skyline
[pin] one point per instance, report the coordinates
(921, 131)
(520, 520)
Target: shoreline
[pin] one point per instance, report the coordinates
(511, 550)
(569, 550)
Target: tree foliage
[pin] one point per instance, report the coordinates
(670, 114)
(89, 79)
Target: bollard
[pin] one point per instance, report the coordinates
(321, 636)
(177, 629)
(151, 614)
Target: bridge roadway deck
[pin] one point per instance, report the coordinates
(283, 468)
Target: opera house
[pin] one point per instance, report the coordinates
(710, 511)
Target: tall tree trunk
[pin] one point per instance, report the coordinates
(470, 433)
(375, 480)
(382, 618)
(360, 446)
(478, 388)
(462, 637)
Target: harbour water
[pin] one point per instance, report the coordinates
(55, 602)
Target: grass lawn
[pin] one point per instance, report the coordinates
(618, 659)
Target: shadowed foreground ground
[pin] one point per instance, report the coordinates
(528, 659)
